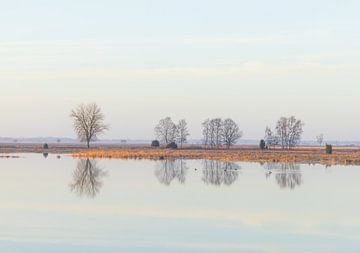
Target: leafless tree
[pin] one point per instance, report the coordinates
(182, 132)
(320, 139)
(216, 132)
(230, 132)
(88, 122)
(166, 131)
(87, 178)
(271, 139)
(289, 131)
(206, 132)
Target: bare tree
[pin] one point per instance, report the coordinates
(230, 132)
(166, 131)
(182, 132)
(289, 131)
(206, 132)
(271, 139)
(216, 131)
(320, 139)
(88, 122)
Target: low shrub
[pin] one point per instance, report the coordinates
(172, 145)
(155, 144)
(328, 149)
(262, 145)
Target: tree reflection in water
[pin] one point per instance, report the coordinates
(87, 178)
(218, 173)
(169, 169)
(287, 175)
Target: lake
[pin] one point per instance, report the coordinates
(64, 205)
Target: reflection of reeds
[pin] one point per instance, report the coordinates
(276, 156)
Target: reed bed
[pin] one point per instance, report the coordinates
(308, 156)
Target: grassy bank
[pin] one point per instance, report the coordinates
(345, 156)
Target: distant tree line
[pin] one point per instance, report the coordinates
(88, 121)
(216, 132)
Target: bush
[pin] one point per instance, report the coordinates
(262, 145)
(155, 144)
(172, 145)
(46, 146)
(328, 149)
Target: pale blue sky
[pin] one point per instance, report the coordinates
(143, 60)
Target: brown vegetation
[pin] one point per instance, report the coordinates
(344, 156)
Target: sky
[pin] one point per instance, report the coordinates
(141, 61)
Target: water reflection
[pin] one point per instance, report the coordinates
(287, 175)
(218, 173)
(87, 178)
(169, 169)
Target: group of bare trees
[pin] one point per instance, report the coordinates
(89, 123)
(217, 132)
(287, 133)
(168, 132)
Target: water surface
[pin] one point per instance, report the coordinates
(61, 204)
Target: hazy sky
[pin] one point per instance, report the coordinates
(143, 60)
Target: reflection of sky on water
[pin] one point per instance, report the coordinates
(134, 212)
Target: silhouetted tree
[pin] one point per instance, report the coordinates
(88, 122)
(320, 139)
(182, 132)
(206, 132)
(230, 132)
(289, 131)
(166, 131)
(216, 132)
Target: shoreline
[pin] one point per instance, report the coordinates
(302, 156)
(241, 153)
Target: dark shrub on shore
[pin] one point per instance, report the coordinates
(262, 145)
(46, 146)
(328, 149)
(155, 144)
(172, 145)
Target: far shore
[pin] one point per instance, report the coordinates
(241, 153)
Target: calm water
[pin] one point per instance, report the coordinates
(66, 205)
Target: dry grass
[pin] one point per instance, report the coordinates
(346, 156)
